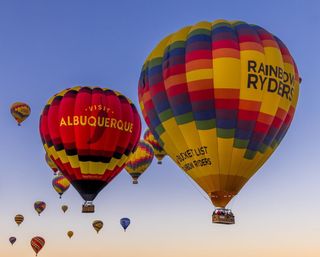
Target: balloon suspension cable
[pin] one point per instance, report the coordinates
(192, 183)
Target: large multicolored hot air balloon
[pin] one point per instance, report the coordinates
(20, 111)
(61, 184)
(37, 244)
(140, 160)
(39, 206)
(125, 222)
(19, 219)
(97, 225)
(12, 240)
(64, 208)
(89, 133)
(70, 234)
(51, 164)
(159, 153)
(219, 97)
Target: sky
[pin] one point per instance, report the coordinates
(47, 46)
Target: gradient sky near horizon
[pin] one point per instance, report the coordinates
(46, 46)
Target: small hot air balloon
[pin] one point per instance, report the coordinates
(89, 133)
(19, 219)
(12, 240)
(140, 160)
(125, 222)
(97, 225)
(61, 184)
(219, 97)
(159, 153)
(51, 164)
(70, 234)
(37, 244)
(39, 206)
(64, 208)
(20, 111)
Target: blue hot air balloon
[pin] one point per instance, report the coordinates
(125, 222)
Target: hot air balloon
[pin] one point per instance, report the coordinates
(140, 160)
(60, 184)
(64, 208)
(125, 222)
(51, 164)
(19, 219)
(219, 97)
(12, 240)
(20, 111)
(97, 225)
(89, 134)
(37, 244)
(39, 206)
(70, 234)
(159, 153)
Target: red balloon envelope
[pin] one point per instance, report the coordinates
(37, 243)
(89, 134)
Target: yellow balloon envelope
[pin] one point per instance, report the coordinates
(219, 96)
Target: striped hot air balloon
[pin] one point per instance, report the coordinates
(20, 111)
(140, 160)
(19, 219)
(159, 153)
(89, 133)
(39, 206)
(97, 225)
(37, 244)
(61, 184)
(219, 97)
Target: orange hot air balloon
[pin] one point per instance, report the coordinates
(219, 97)
(97, 225)
(51, 164)
(89, 133)
(19, 219)
(37, 244)
(20, 111)
(70, 234)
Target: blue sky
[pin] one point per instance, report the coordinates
(46, 46)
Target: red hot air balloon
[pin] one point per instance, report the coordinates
(37, 244)
(89, 134)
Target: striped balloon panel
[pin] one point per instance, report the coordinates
(61, 184)
(20, 111)
(37, 243)
(159, 153)
(140, 160)
(89, 133)
(19, 219)
(220, 96)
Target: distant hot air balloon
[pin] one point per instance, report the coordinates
(97, 225)
(61, 184)
(37, 244)
(39, 206)
(89, 134)
(19, 219)
(12, 240)
(20, 111)
(64, 208)
(219, 97)
(159, 153)
(51, 164)
(70, 234)
(125, 222)
(140, 160)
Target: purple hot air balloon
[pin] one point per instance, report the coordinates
(12, 240)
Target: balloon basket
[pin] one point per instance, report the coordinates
(159, 162)
(88, 208)
(223, 216)
(135, 182)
